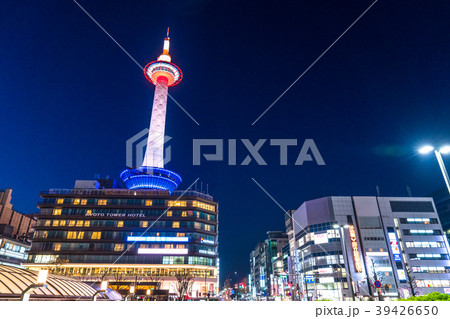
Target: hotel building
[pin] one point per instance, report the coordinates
(140, 238)
(344, 247)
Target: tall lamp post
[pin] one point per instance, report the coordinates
(103, 288)
(344, 248)
(443, 150)
(41, 282)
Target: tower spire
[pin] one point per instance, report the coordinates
(165, 55)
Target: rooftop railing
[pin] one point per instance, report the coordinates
(129, 192)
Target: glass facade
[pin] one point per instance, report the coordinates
(92, 233)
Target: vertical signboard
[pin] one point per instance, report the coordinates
(355, 249)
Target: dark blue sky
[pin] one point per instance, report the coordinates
(70, 98)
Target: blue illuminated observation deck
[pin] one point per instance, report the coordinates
(146, 177)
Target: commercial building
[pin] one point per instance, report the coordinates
(15, 231)
(346, 247)
(142, 238)
(266, 266)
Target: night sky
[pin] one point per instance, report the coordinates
(70, 98)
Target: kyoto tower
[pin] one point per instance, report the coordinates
(152, 174)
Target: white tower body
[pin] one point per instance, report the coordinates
(154, 155)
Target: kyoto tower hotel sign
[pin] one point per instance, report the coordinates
(152, 174)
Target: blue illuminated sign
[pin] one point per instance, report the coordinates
(158, 239)
(309, 279)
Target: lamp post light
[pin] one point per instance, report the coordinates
(103, 288)
(443, 150)
(131, 293)
(344, 248)
(41, 282)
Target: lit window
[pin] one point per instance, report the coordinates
(204, 205)
(176, 225)
(71, 223)
(79, 223)
(181, 235)
(96, 235)
(44, 234)
(169, 213)
(144, 224)
(176, 203)
(47, 222)
(57, 211)
(62, 223)
(208, 227)
(181, 247)
(120, 223)
(168, 246)
(80, 235)
(118, 247)
(83, 201)
(197, 225)
(184, 214)
(60, 201)
(76, 201)
(89, 212)
(87, 223)
(148, 202)
(102, 202)
(57, 247)
(71, 235)
(56, 222)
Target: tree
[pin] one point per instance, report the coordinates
(157, 280)
(183, 284)
(411, 280)
(434, 296)
(376, 277)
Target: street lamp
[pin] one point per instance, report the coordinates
(103, 288)
(443, 150)
(132, 290)
(41, 282)
(344, 248)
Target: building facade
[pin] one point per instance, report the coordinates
(16, 230)
(141, 238)
(346, 247)
(266, 266)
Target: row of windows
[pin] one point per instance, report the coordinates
(141, 271)
(431, 269)
(125, 259)
(127, 212)
(421, 232)
(117, 247)
(135, 202)
(419, 221)
(12, 247)
(127, 223)
(425, 244)
(207, 239)
(374, 238)
(428, 256)
(432, 283)
(412, 206)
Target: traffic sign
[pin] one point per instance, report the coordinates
(377, 284)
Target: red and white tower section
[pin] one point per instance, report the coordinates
(152, 174)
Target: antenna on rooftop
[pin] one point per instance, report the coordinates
(408, 190)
